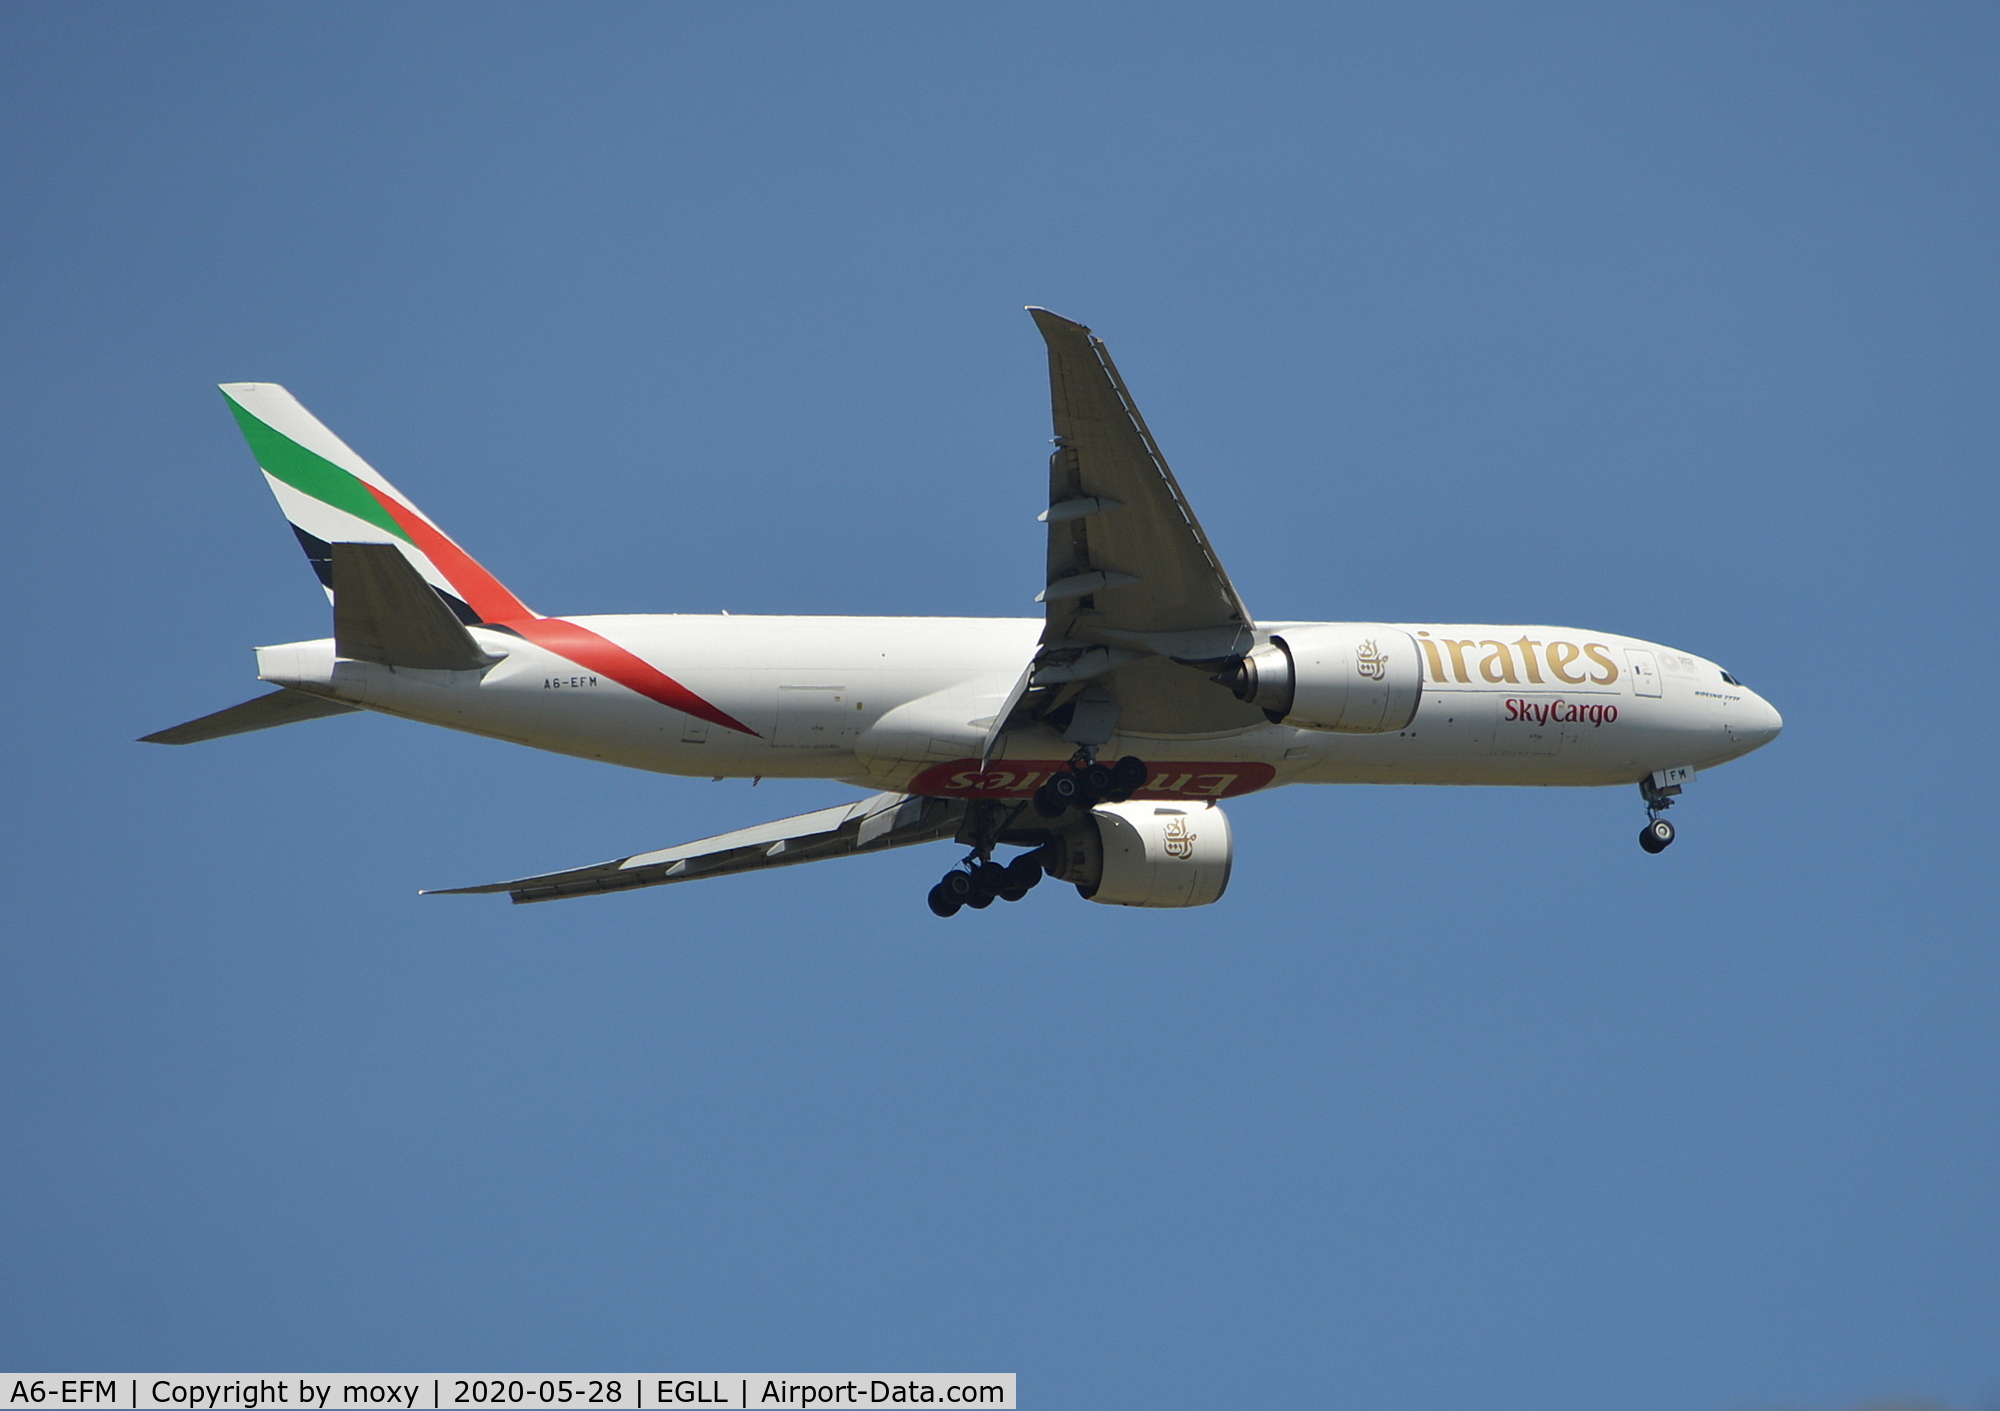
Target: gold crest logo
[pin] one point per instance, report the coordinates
(1180, 839)
(1370, 660)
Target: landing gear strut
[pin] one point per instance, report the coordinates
(1658, 834)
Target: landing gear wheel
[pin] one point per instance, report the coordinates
(943, 903)
(1019, 877)
(1062, 792)
(1128, 776)
(1024, 873)
(958, 886)
(1656, 836)
(1096, 781)
(989, 877)
(980, 901)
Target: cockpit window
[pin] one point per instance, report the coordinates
(1731, 679)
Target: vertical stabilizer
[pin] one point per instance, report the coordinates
(332, 496)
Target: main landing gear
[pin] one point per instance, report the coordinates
(1658, 834)
(1087, 783)
(979, 881)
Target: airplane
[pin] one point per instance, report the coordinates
(1099, 739)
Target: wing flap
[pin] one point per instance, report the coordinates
(870, 825)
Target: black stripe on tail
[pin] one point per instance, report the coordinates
(319, 554)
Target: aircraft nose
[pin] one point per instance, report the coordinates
(1757, 724)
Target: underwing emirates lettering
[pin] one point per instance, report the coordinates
(1205, 779)
(1494, 661)
(1173, 783)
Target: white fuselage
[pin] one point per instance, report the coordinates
(906, 703)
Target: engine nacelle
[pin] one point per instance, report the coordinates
(1145, 854)
(1356, 678)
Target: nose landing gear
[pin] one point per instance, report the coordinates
(1658, 834)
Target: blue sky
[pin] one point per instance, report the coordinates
(1670, 321)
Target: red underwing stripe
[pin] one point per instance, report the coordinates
(1019, 778)
(600, 654)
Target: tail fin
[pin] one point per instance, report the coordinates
(332, 496)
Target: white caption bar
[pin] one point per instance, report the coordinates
(593, 1391)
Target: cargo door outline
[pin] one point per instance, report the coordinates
(815, 718)
(1645, 672)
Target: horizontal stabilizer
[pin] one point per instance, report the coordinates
(871, 825)
(281, 707)
(384, 611)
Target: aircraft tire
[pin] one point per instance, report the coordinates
(1024, 873)
(1129, 775)
(943, 903)
(1096, 780)
(980, 901)
(1059, 794)
(1656, 836)
(990, 878)
(958, 886)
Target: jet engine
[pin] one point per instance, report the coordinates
(1355, 678)
(1145, 854)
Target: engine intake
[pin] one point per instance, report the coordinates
(1145, 854)
(1353, 678)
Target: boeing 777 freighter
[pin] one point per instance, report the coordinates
(1100, 737)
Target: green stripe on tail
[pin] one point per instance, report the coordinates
(312, 474)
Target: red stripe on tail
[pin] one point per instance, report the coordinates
(483, 593)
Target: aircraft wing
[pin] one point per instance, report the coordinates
(870, 825)
(1133, 588)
